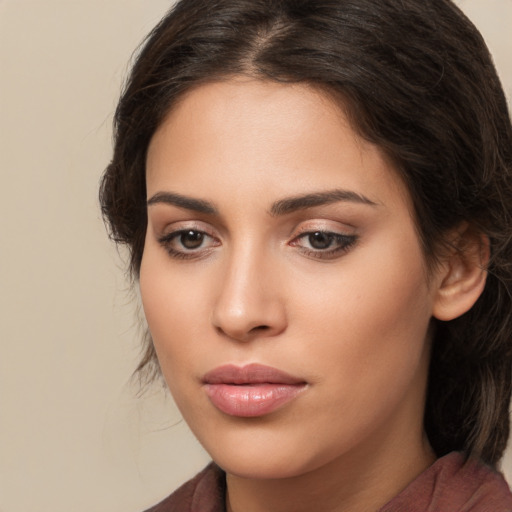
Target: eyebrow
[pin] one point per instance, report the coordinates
(188, 203)
(292, 204)
(281, 207)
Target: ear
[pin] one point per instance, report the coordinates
(462, 273)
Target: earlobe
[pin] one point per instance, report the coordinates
(462, 274)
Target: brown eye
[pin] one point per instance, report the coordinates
(326, 245)
(320, 240)
(191, 239)
(188, 243)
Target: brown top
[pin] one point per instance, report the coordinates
(449, 485)
(453, 485)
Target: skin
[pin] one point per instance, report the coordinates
(353, 323)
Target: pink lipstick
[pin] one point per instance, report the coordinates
(252, 390)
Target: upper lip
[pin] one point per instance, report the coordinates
(249, 374)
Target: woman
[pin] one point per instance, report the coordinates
(316, 197)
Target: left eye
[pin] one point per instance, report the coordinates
(324, 243)
(320, 240)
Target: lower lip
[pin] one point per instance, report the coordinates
(252, 400)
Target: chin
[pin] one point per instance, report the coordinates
(260, 468)
(264, 462)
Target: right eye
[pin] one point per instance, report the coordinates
(187, 243)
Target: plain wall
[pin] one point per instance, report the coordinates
(73, 434)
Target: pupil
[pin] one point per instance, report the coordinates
(320, 240)
(192, 239)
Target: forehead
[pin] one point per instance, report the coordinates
(245, 132)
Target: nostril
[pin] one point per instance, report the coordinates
(260, 328)
(243, 336)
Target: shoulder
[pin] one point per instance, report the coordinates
(203, 493)
(455, 483)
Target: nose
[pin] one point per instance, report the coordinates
(250, 301)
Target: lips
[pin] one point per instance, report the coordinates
(252, 390)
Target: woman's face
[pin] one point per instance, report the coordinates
(283, 282)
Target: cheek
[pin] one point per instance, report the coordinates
(367, 323)
(174, 308)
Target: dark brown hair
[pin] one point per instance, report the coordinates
(417, 80)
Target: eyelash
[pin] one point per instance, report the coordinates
(167, 240)
(343, 243)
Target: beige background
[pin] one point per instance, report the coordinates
(73, 435)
